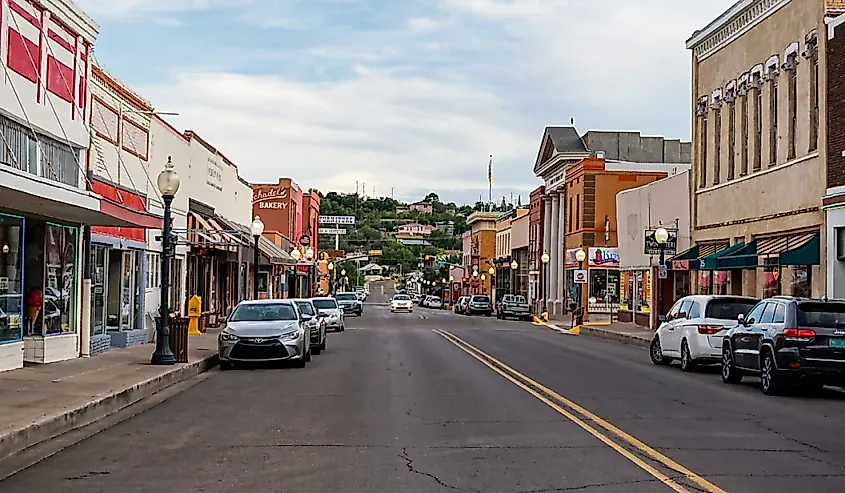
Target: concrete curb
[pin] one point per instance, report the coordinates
(52, 426)
(615, 336)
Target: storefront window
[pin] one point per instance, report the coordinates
(604, 287)
(626, 288)
(573, 290)
(175, 285)
(771, 281)
(644, 291)
(11, 278)
(59, 293)
(720, 282)
(705, 282)
(682, 284)
(800, 283)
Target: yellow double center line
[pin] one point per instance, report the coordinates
(581, 416)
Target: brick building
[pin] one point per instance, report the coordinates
(482, 250)
(758, 169)
(833, 202)
(536, 212)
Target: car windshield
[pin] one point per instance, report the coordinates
(435, 298)
(305, 307)
(816, 314)
(480, 299)
(518, 299)
(325, 304)
(728, 309)
(401, 297)
(263, 312)
(346, 297)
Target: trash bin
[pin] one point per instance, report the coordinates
(178, 337)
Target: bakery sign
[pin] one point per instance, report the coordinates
(270, 198)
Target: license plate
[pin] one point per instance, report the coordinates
(838, 343)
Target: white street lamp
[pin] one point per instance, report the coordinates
(514, 265)
(580, 255)
(296, 254)
(343, 272)
(309, 253)
(661, 236)
(257, 230)
(475, 273)
(545, 258)
(491, 270)
(257, 227)
(331, 266)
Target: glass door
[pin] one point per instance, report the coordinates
(126, 291)
(99, 288)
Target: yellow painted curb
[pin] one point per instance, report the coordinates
(574, 330)
(599, 324)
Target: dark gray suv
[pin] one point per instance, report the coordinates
(786, 340)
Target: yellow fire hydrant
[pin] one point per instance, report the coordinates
(194, 310)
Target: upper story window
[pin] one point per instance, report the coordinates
(790, 65)
(742, 93)
(811, 53)
(772, 74)
(730, 99)
(701, 113)
(716, 104)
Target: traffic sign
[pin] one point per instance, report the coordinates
(662, 272)
(580, 276)
(332, 231)
(337, 219)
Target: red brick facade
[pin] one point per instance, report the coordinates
(835, 109)
(537, 216)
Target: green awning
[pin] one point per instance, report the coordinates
(744, 258)
(807, 253)
(709, 262)
(689, 254)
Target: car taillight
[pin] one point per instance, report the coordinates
(799, 333)
(709, 329)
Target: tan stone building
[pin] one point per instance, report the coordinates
(758, 166)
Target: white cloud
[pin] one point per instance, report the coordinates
(109, 9)
(518, 65)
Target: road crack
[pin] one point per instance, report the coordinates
(412, 469)
(88, 475)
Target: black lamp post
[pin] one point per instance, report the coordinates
(257, 230)
(661, 236)
(514, 266)
(168, 185)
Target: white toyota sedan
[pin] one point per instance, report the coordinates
(401, 303)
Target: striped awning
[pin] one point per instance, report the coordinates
(773, 250)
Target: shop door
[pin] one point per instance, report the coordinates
(99, 288)
(127, 282)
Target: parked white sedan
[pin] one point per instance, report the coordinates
(693, 330)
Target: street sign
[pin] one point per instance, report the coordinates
(580, 276)
(651, 247)
(332, 231)
(662, 272)
(337, 219)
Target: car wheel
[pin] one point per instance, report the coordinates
(687, 363)
(308, 354)
(226, 365)
(323, 344)
(729, 372)
(770, 378)
(316, 350)
(655, 353)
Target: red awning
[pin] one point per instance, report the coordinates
(130, 217)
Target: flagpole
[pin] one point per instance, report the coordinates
(490, 181)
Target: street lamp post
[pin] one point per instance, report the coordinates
(661, 236)
(545, 258)
(168, 185)
(343, 275)
(493, 290)
(331, 277)
(514, 266)
(257, 230)
(580, 256)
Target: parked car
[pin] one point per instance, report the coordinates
(265, 330)
(350, 303)
(416, 298)
(317, 324)
(480, 305)
(461, 304)
(401, 303)
(432, 301)
(334, 314)
(787, 341)
(511, 305)
(694, 327)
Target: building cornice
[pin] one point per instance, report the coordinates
(733, 23)
(71, 14)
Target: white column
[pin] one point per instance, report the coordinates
(555, 249)
(547, 248)
(561, 261)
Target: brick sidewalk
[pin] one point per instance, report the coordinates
(40, 402)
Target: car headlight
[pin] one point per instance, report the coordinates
(228, 337)
(290, 336)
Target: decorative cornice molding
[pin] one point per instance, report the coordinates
(734, 22)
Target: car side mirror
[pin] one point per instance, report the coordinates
(741, 319)
(306, 317)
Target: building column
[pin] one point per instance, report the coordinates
(555, 252)
(561, 261)
(547, 248)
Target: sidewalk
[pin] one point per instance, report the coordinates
(625, 332)
(41, 402)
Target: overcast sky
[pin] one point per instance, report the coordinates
(403, 95)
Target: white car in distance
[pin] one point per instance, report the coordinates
(401, 303)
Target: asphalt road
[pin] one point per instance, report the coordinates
(433, 401)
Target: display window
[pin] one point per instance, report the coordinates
(11, 278)
(52, 273)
